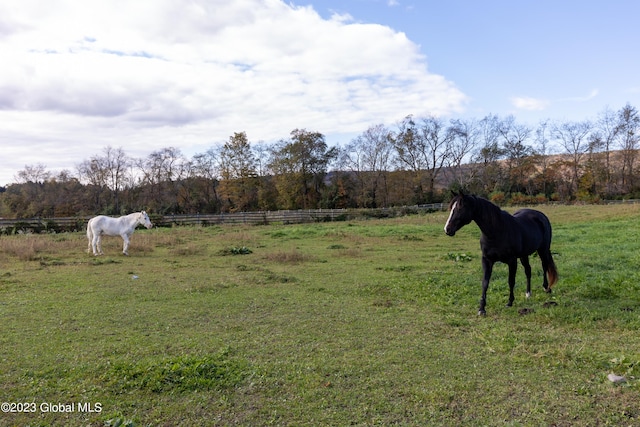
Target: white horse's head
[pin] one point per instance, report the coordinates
(143, 219)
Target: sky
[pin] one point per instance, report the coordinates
(78, 76)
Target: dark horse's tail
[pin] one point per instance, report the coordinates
(545, 254)
(552, 273)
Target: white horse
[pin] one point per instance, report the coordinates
(106, 226)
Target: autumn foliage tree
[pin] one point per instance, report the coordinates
(239, 180)
(299, 166)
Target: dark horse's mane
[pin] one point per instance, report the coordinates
(485, 205)
(491, 214)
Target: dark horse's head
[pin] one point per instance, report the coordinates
(460, 213)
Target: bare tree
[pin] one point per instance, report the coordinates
(628, 139)
(31, 189)
(573, 137)
(542, 152)
(205, 164)
(204, 169)
(466, 139)
(164, 165)
(117, 164)
(368, 157)
(603, 137)
(161, 173)
(109, 170)
(424, 150)
(514, 137)
(407, 144)
(438, 138)
(488, 154)
(37, 174)
(261, 156)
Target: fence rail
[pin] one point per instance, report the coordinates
(11, 226)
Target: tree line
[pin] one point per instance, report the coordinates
(414, 162)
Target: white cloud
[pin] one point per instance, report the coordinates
(539, 104)
(530, 104)
(149, 74)
(592, 94)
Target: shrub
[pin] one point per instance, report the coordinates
(498, 197)
(519, 199)
(243, 250)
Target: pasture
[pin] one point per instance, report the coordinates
(345, 323)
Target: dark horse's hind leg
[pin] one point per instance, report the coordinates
(513, 267)
(527, 271)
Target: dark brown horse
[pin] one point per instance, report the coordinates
(505, 238)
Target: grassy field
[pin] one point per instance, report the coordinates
(348, 323)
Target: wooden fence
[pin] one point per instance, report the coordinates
(13, 226)
(38, 225)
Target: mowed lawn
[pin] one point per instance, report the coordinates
(362, 323)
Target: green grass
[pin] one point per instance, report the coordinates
(354, 323)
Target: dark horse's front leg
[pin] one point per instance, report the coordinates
(487, 268)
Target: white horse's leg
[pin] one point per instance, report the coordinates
(97, 244)
(125, 248)
(89, 238)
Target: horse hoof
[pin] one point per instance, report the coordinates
(528, 295)
(482, 313)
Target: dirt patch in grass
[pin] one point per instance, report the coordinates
(289, 257)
